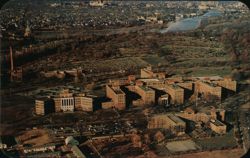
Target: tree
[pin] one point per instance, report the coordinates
(159, 136)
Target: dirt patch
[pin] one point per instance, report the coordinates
(34, 137)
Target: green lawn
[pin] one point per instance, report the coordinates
(218, 142)
(155, 60)
(205, 71)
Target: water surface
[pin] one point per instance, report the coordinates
(190, 23)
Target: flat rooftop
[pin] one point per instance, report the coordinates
(91, 96)
(210, 84)
(149, 80)
(176, 119)
(170, 117)
(147, 70)
(146, 88)
(116, 90)
(174, 86)
(43, 98)
(217, 123)
(210, 78)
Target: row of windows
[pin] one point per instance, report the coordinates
(68, 107)
(66, 102)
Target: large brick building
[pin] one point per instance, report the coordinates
(208, 90)
(147, 94)
(148, 73)
(171, 122)
(117, 96)
(176, 93)
(64, 101)
(44, 106)
(107, 105)
(121, 82)
(68, 101)
(228, 84)
(163, 100)
(118, 82)
(209, 116)
(85, 102)
(218, 126)
(186, 85)
(173, 80)
(203, 116)
(151, 82)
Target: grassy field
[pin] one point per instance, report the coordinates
(199, 56)
(155, 60)
(205, 71)
(112, 64)
(218, 142)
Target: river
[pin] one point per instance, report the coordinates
(190, 23)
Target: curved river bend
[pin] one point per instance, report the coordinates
(190, 23)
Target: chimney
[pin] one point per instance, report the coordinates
(11, 60)
(11, 64)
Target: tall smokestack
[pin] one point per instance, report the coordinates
(11, 64)
(11, 60)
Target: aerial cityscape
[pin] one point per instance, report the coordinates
(118, 79)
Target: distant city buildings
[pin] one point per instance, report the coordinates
(203, 6)
(96, 3)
